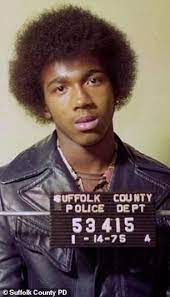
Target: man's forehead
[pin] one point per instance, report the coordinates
(64, 68)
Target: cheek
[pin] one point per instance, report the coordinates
(104, 97)
(58, 103)
(59, 113)
(54, 106)
(106, 105)
(110, 100)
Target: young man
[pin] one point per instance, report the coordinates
(75, 69)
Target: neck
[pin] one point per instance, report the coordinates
(89, 159)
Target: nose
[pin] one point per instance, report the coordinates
(82, 98)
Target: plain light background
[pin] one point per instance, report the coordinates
(144, 122)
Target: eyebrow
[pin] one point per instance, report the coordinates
(63, 79)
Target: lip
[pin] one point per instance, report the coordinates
(86, 123)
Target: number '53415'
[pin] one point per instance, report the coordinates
(107, 226)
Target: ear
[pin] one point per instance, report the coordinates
(47, 113)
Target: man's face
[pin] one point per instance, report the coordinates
(79, 98)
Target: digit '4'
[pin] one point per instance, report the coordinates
(106, 226)
(147, 238)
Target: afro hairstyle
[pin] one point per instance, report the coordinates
(67, 33)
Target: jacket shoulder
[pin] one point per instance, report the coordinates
(149, 165)
(33, 159)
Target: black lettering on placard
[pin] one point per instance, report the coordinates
(102, 219)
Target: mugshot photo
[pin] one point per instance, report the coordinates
(85, 141)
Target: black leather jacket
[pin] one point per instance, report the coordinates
(26, 260)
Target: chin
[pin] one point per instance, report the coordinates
(90, 141)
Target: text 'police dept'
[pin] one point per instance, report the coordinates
(86, 203)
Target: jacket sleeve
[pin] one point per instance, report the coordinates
(10, 260)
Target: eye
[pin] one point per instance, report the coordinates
(61, 89)
(94, 81)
